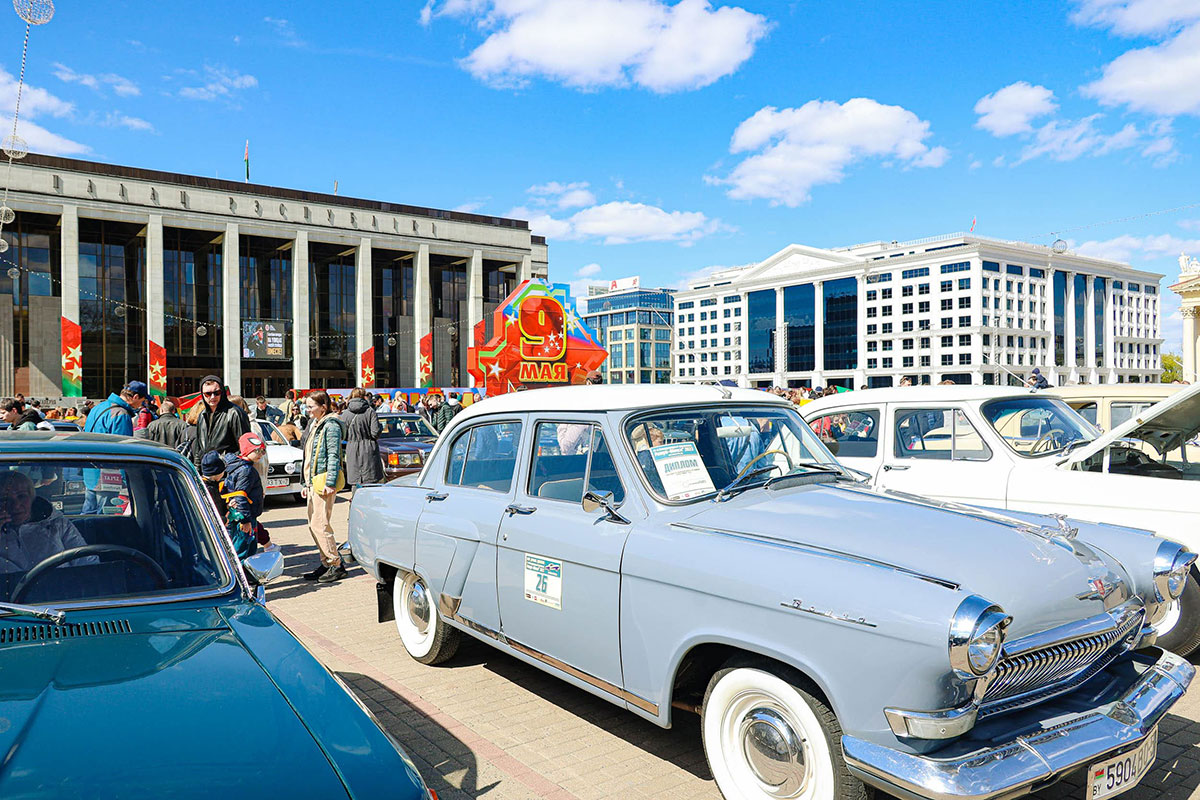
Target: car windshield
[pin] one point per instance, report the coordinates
(1038, 425)
(405, 426)
(270, 433)
(141, 525)
(688, 454)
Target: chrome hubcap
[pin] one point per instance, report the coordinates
(418, 606)
(774, 753)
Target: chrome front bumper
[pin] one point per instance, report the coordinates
(1042, 751)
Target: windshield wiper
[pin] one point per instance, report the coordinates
(1071, 445)
(45, 613)
(727, 490)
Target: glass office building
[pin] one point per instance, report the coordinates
(635, 326)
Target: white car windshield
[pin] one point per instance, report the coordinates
(140, 525)
(1038, 425)
(688, 454)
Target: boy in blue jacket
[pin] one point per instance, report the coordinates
(243, 494)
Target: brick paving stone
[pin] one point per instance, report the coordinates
(488, 725)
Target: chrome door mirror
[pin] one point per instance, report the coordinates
(262, 568)
(594, 501)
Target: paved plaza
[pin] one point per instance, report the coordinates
(488, 725)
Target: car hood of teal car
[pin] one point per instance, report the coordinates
(152, 705)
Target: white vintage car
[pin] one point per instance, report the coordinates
(1024, 450)
(283, 461)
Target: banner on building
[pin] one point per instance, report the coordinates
(539, 340)
(72, 359)
(266, 338)
(158, 368)
(367, 379)
(425, 365)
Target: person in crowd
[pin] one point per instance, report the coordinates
(219, 423)
(36, 405)
(439, 414)
(322, 474)
(400, 404)
(18, 416)
(242, 491)
(377, 402)
(292, 433)
(212, 472)
(363, 461)
(114, 415)
(31, 529)
(454, 403)
(262, 410)
(168, 428)
(288, 406)
(573, 438)
(1037, 380)
(142, 418)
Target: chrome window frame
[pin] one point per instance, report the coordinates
(955, 411)
(234, 578)
(596, 425)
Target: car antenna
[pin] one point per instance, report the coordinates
(724, 390)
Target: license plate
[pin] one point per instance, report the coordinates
(1121, 773)
(276, 483)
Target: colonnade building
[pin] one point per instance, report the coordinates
(961, 307)
(270, 288)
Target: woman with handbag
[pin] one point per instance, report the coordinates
(323, 477)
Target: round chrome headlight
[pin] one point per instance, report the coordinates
(1172, 563)
(977, 636)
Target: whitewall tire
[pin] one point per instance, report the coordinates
(768, 739)
(1179, 629)
(422, 632)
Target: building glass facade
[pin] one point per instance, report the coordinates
(392, 307)
(799, 319)
(760, 331)
(192, 285)
(1060, 317)
(1079, 286)
(112, 277)
(1100, 301)
(34, 250)
(841, 323)
(635, 327)
(448, 288)
(331, 314)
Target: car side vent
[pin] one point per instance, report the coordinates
(17, 634)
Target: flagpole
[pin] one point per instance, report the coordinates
(246, 158)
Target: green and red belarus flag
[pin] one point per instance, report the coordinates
(246, 158)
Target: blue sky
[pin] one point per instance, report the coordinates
(660, 137)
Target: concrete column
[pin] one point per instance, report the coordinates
(1191, 346)
(1089, 331)
(422, 310)
(364, 326)
(860, 367)
(69, 258)
(525, 271)
(475, 302)
(781, 339)
(301, 308)
(155, 303)
(231, 309)
(1069, 367)
(819, 332)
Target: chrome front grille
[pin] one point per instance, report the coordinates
(1032, 675)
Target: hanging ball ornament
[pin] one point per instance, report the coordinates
(14, 273)
(3, 245)
(312, 344)
(15, 147)
(119, 311)
(391, 340)
(35, 12)
(7, 215)
(1059, 246)
(201, 330)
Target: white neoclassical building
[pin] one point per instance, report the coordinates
(1188, 288)
(960, 307)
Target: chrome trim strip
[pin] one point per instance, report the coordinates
(972, 511)
(448, 605)
(1016, 767)
(817, 550)
(592, 680)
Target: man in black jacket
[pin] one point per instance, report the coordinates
(221, 423)
(167, 428)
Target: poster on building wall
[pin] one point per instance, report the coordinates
(157, 359)
(539, 340)
(425, 367)
(367, 379)
(265, 338)
(72, 359)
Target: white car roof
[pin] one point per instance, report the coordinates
(611, 397)
(914, 394)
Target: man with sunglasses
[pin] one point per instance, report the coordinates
(220, 424)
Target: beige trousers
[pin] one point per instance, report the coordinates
(320, 511)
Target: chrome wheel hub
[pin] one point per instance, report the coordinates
(418, 606)
(774, 752)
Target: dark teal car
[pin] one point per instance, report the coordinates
(138, 659)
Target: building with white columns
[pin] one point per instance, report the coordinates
(960, 307)
(105, 263)
(1188, 289)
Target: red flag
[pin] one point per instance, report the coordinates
(158, 368)
(368, 368)
(425, 368)
(972, 225)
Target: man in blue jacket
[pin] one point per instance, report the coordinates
(114, 415)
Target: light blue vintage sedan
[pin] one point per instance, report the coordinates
(697, 548)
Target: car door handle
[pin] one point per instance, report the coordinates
(516, 509)
(436, 496)
(897, 467)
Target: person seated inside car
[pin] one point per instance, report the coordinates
(32, 530)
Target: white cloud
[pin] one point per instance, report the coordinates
(469, 207)
(1067, 141)
(219, 83)
(588, 270)
(37, 102)
(563, 195)
(1190, 224)
(117, 119)
(587, 44)
(622, 222)
(1136, 17)
(120, 85)
(285, 31)
(799, 148)
(1162, 79)
(1127, 247)
(1011, 109)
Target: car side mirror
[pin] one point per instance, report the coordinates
(594, 501)
(262, 568)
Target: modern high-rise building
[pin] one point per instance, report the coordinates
(113, 271)
(634, 324)
(961, 307)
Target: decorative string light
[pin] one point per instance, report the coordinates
(34, 12)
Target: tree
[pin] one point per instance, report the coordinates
(1172, 364)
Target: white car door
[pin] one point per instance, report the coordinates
(939, 452)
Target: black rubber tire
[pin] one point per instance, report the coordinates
(1184, 638)
(847, 786)
(445, 638)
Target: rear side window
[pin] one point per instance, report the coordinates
(856, 432)
(1089, 411)
(938, 434)
(570, 458)
(484, 457)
